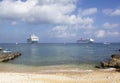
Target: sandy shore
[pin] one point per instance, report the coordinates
(62, 76)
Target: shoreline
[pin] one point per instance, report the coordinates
(24, 68)
(56, 74)
(60, 76)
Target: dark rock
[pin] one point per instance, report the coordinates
(117, 56)
(104, 64)
(8, 56)
(97, 67)
(118, 49)
(113, 62)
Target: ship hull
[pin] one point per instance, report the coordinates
(32, 42)
(84, 42)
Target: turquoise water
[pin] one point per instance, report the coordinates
(79, 55)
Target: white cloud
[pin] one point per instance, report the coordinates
(14, 23)
(103, 33)
(88, 32)
(60, 13)
(116, 12)
(108, 25)
(113, 33)
(84, 23)
(112, 12)
(107, 11)
(88, 11)
(57, 1)
(35, 11)
(100, 33)
(61, 32)
(44, 11)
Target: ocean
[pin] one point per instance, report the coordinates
(84, 56)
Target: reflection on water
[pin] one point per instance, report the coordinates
(61, 54)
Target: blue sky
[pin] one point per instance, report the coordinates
(59, 20)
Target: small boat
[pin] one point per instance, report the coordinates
(0, 48)
(6, 51)
(106, 43)
(16, 43)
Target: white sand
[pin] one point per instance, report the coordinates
(85, 77)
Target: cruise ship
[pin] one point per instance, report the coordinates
(90, 40)
(33, 39)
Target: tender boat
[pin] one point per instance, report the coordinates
(6, 51)
(0, 48)
(106, 43)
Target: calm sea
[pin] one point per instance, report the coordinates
(78, 55)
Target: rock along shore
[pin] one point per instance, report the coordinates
(8, 56)
(114, 61)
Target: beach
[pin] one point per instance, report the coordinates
(59, 41)
(88, 76)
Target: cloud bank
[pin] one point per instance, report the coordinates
(88, 11)
(104, 34)
(63, 14)
(39, 11)
(108, 25)
(44, 11)
(112, 12)
(68, 19)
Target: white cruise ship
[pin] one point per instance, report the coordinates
(33, 39)
(90, 40)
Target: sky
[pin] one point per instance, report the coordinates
(59, 21)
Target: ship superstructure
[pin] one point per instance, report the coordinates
(90, 40)
(33, 39)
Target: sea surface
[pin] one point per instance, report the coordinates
(84, 56)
